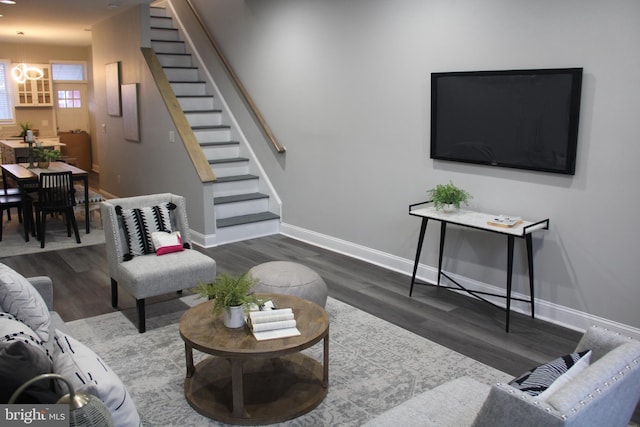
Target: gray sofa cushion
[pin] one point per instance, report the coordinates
(452, 404)
(19, 362)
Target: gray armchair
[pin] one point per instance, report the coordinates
(604, 394)
(148, 274)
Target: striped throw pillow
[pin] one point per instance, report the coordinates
(543, 380)
(140, 223)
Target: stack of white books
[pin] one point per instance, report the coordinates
(272, 324)
(505, 220)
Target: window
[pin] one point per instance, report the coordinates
(69, 99)
(6, 106)
(69, 71)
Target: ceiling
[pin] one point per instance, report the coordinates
(60, 22)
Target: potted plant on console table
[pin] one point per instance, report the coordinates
(448, 197)
(230, 296)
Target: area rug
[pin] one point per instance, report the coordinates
(374, 366)
(13, 243)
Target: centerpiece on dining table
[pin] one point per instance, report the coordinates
(44, 156)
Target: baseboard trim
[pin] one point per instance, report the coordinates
(545, 310)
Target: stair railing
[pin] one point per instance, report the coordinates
(236, 81)
(183, 127)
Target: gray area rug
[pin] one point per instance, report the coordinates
(13, 243)
(374, 365)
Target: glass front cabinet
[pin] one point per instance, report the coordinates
(34, 92)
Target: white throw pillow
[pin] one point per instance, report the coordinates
(87, 372)
(11, 329)
(20, 298)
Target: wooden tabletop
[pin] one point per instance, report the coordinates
(20, 171)
(204, 331)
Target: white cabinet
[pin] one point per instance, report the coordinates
(35, 93)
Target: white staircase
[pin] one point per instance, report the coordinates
(242, 207)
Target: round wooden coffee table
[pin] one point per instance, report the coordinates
(252, 382)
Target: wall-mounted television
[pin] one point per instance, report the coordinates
(525, 119)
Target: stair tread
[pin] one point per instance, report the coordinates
(203, 111)
(187, 81)
(239, 198)
(218, 143)
(176, 67)
(246, 219)
(233, 178)
(194, 96)
(173, 53)
(210, 127)
(228, 160)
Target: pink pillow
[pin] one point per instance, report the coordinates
(166, 243)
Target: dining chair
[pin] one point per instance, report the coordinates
(11, 192)
(55, 195)
(12, 201)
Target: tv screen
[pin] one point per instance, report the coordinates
(526, 119)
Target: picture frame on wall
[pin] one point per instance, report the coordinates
(112, 78)
(130, 122)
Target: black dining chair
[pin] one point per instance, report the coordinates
(11, 192)
(55, 195)
(6, 203)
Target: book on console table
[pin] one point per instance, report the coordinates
(505, 221)
(272, 324)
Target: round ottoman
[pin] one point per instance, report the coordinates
(290, 278)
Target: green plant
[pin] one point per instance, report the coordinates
(25, 127)
(44, 155)
(448, 194)
(229, 291)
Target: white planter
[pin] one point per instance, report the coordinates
(234, 317)
(449, 208)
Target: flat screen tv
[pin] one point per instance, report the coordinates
(525, 119)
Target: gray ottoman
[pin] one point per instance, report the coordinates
(290, 278)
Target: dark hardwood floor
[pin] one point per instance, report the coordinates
(468, 326)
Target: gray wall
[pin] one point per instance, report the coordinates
(344, 85)
(152, 165)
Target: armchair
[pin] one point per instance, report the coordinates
(604, 394)
(147, 274)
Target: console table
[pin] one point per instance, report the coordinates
(479, 221)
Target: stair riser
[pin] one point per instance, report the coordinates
(157, 11)
(182, 74)
(161, 22)
(168, 47)
(233, 188)
(204, 119)
(228, 210)
(221, 152)
(175, 60)
(230, 169)
(163, 34)
(189, 88)
(198, 103)
(217, 135)
(240, 232)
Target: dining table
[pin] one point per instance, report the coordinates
(24, 176)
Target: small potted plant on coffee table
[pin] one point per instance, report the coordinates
(230, 295)
(448, 197)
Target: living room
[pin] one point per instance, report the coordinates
(345, 87)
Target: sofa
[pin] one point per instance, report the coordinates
(599, 387)
(35, 340)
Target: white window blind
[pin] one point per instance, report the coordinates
(6, 107)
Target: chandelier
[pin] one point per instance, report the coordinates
(23, 72)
